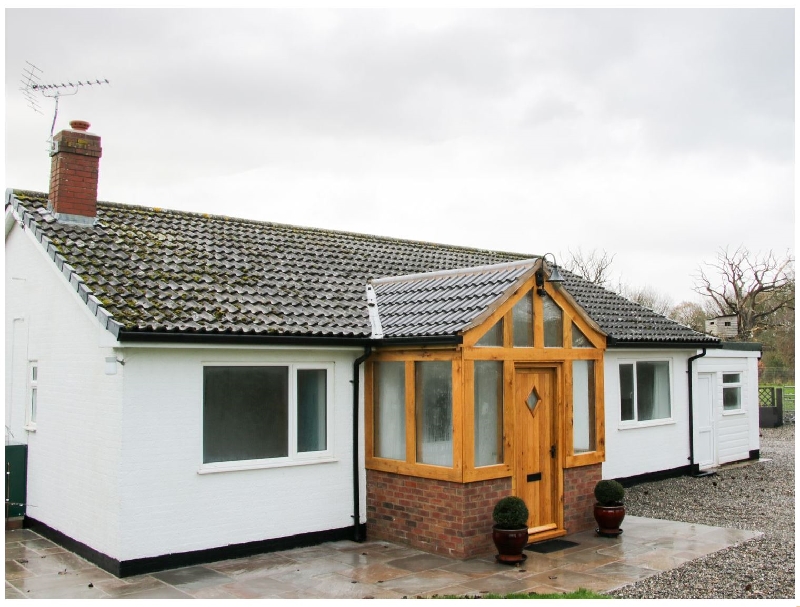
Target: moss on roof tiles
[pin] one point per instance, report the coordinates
(310, 280)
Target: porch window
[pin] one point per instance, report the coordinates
(731, 391)
(522, 320)
(645, 391)
(579, 340)
(553, 324)
(434, 412)
(265, 413)
(583, 406)
(493, 337)
(488, 413)
(390, 410)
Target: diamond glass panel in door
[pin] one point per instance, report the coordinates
(488, 413)
(579, 340)
(312, 409)
(245, 413)
(553, 324)
(533, 400)
(493, 338)
(434, 402)
(390, 410)
(522, 319)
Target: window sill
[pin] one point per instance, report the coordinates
(647, 424)
(29, 427)
(733, 412)
(261, 465)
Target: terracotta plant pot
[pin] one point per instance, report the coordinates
(510, 544)
(609, 518)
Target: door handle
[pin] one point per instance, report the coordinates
(553, 451)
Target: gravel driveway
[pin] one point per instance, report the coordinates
(758, 496)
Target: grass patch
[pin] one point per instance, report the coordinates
(580, 593)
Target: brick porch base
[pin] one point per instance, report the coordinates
(455, 519)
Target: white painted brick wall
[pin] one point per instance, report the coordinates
(168, 507)
(633, 451)
(114, 461)
(74, 454)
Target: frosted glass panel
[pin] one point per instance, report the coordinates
(731, 398)
(553, 324)
(488, 413)
(312, 410)
(583, 406)
(434, 400)
(245, 413)
(493, 337)
(522, 315)
(579, 340)
(390, 410)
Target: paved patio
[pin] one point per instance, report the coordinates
(39, 569)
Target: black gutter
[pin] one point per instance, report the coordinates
(693, 468)
(356, 468)
(286, 340)
(613, 343)
(239, 339)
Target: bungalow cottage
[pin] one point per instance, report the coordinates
(195, 387)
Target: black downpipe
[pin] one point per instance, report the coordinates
(693, 468)
(356, 476)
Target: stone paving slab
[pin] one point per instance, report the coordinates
(37, 568)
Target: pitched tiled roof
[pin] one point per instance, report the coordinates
(151, 270)
(443, 303)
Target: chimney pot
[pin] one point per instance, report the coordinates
(79, 125)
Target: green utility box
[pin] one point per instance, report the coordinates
(16, 479)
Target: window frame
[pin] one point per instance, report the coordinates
(294, 457)
(636, 423)
(410, 466)
(31, 395)
(739, 385)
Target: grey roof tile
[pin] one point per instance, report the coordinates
(168, 271)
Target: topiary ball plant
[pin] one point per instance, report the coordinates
(510, 513)
(609, 493)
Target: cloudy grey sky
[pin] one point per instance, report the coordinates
(657, 135)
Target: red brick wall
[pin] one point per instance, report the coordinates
(453, 519)
(74, 173)
(579, 497)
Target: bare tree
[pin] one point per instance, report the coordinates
(647, 296)
(754, 287)
(593, 265)
(690, 314)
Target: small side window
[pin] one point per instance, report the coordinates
(33, 395)
(731, 391)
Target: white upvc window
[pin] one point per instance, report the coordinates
(32, 399)
(731, 392)
(260, 416)
(645, 393)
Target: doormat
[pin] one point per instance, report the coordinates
(550, 546)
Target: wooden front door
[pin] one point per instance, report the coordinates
(537, 475)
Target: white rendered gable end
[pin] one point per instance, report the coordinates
(17, 214)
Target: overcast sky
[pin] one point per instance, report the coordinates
(657, 135)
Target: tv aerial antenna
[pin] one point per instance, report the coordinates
(31, 84)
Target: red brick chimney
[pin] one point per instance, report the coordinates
(73, 173)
